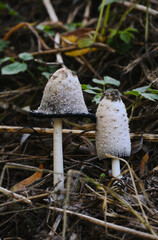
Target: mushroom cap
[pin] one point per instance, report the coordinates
(62, 97)
(112, 128)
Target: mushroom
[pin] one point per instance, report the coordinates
(62, 97)
(112, 129)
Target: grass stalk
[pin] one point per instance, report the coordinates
(99, 20)
(107, 13)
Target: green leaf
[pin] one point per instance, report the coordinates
(12, 12)
(52, 69)
(46, 28)
(5, 59)
(40, 27)
(153, 90)
(88, 86)
(84, 42)
(109, 80)
(98, 81)
(102, 175)
(135, 93)
(85, 86)
(97, 98)
(141, 89)
(41, 68)
(90, 91)
(131, 29)
(26, 56)
(46, 75)
(2, 6)
(125, 36)
(107, 2)
(146, 92)
(113, 33)
(14, 68)
(3, 44)
(73, 26)
(150, 96)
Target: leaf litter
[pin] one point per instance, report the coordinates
(96, 206)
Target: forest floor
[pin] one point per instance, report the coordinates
(118, 41)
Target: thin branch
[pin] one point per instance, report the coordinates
(86, 13)
(107, 224)
(22, 24)
(54, 18)
(89, 134)
(72, 48)
(139, 7)
(11, 194)
(50, 10)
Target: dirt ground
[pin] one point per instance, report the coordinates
(96, 205)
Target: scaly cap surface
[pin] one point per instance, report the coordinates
(112, 128)
(62, 97)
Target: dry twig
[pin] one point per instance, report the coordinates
(115, 227)
(13, 195)
(140, 8)
(89, 134)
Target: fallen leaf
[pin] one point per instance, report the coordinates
(81, 38)
(28, 181)
(143, 164)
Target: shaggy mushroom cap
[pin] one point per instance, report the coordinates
(62, 96)
(112, 129)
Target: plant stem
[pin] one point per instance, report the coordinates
(99, 20)
(147, 24)
(105, 20)
(124, 15)
(58, 158)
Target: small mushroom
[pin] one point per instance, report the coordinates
(112, 129)
(62, 97)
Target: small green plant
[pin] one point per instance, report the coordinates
(118, 39)
(143, 92)
(18, 67)
(98, 91)
(73, 26)
(125, 35)
(102, 177)
(47, 71)
(15, 67)
(121, 40)
(46, 29)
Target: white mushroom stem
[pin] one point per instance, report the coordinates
(116, 168)
(58, 157)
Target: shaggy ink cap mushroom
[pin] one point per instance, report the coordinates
(62, 97)
(112, 128)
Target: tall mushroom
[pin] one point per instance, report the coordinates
(62, 97)
(112, 129)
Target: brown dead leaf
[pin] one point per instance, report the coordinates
(81, 38)
(29, 180)
(143, 164)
